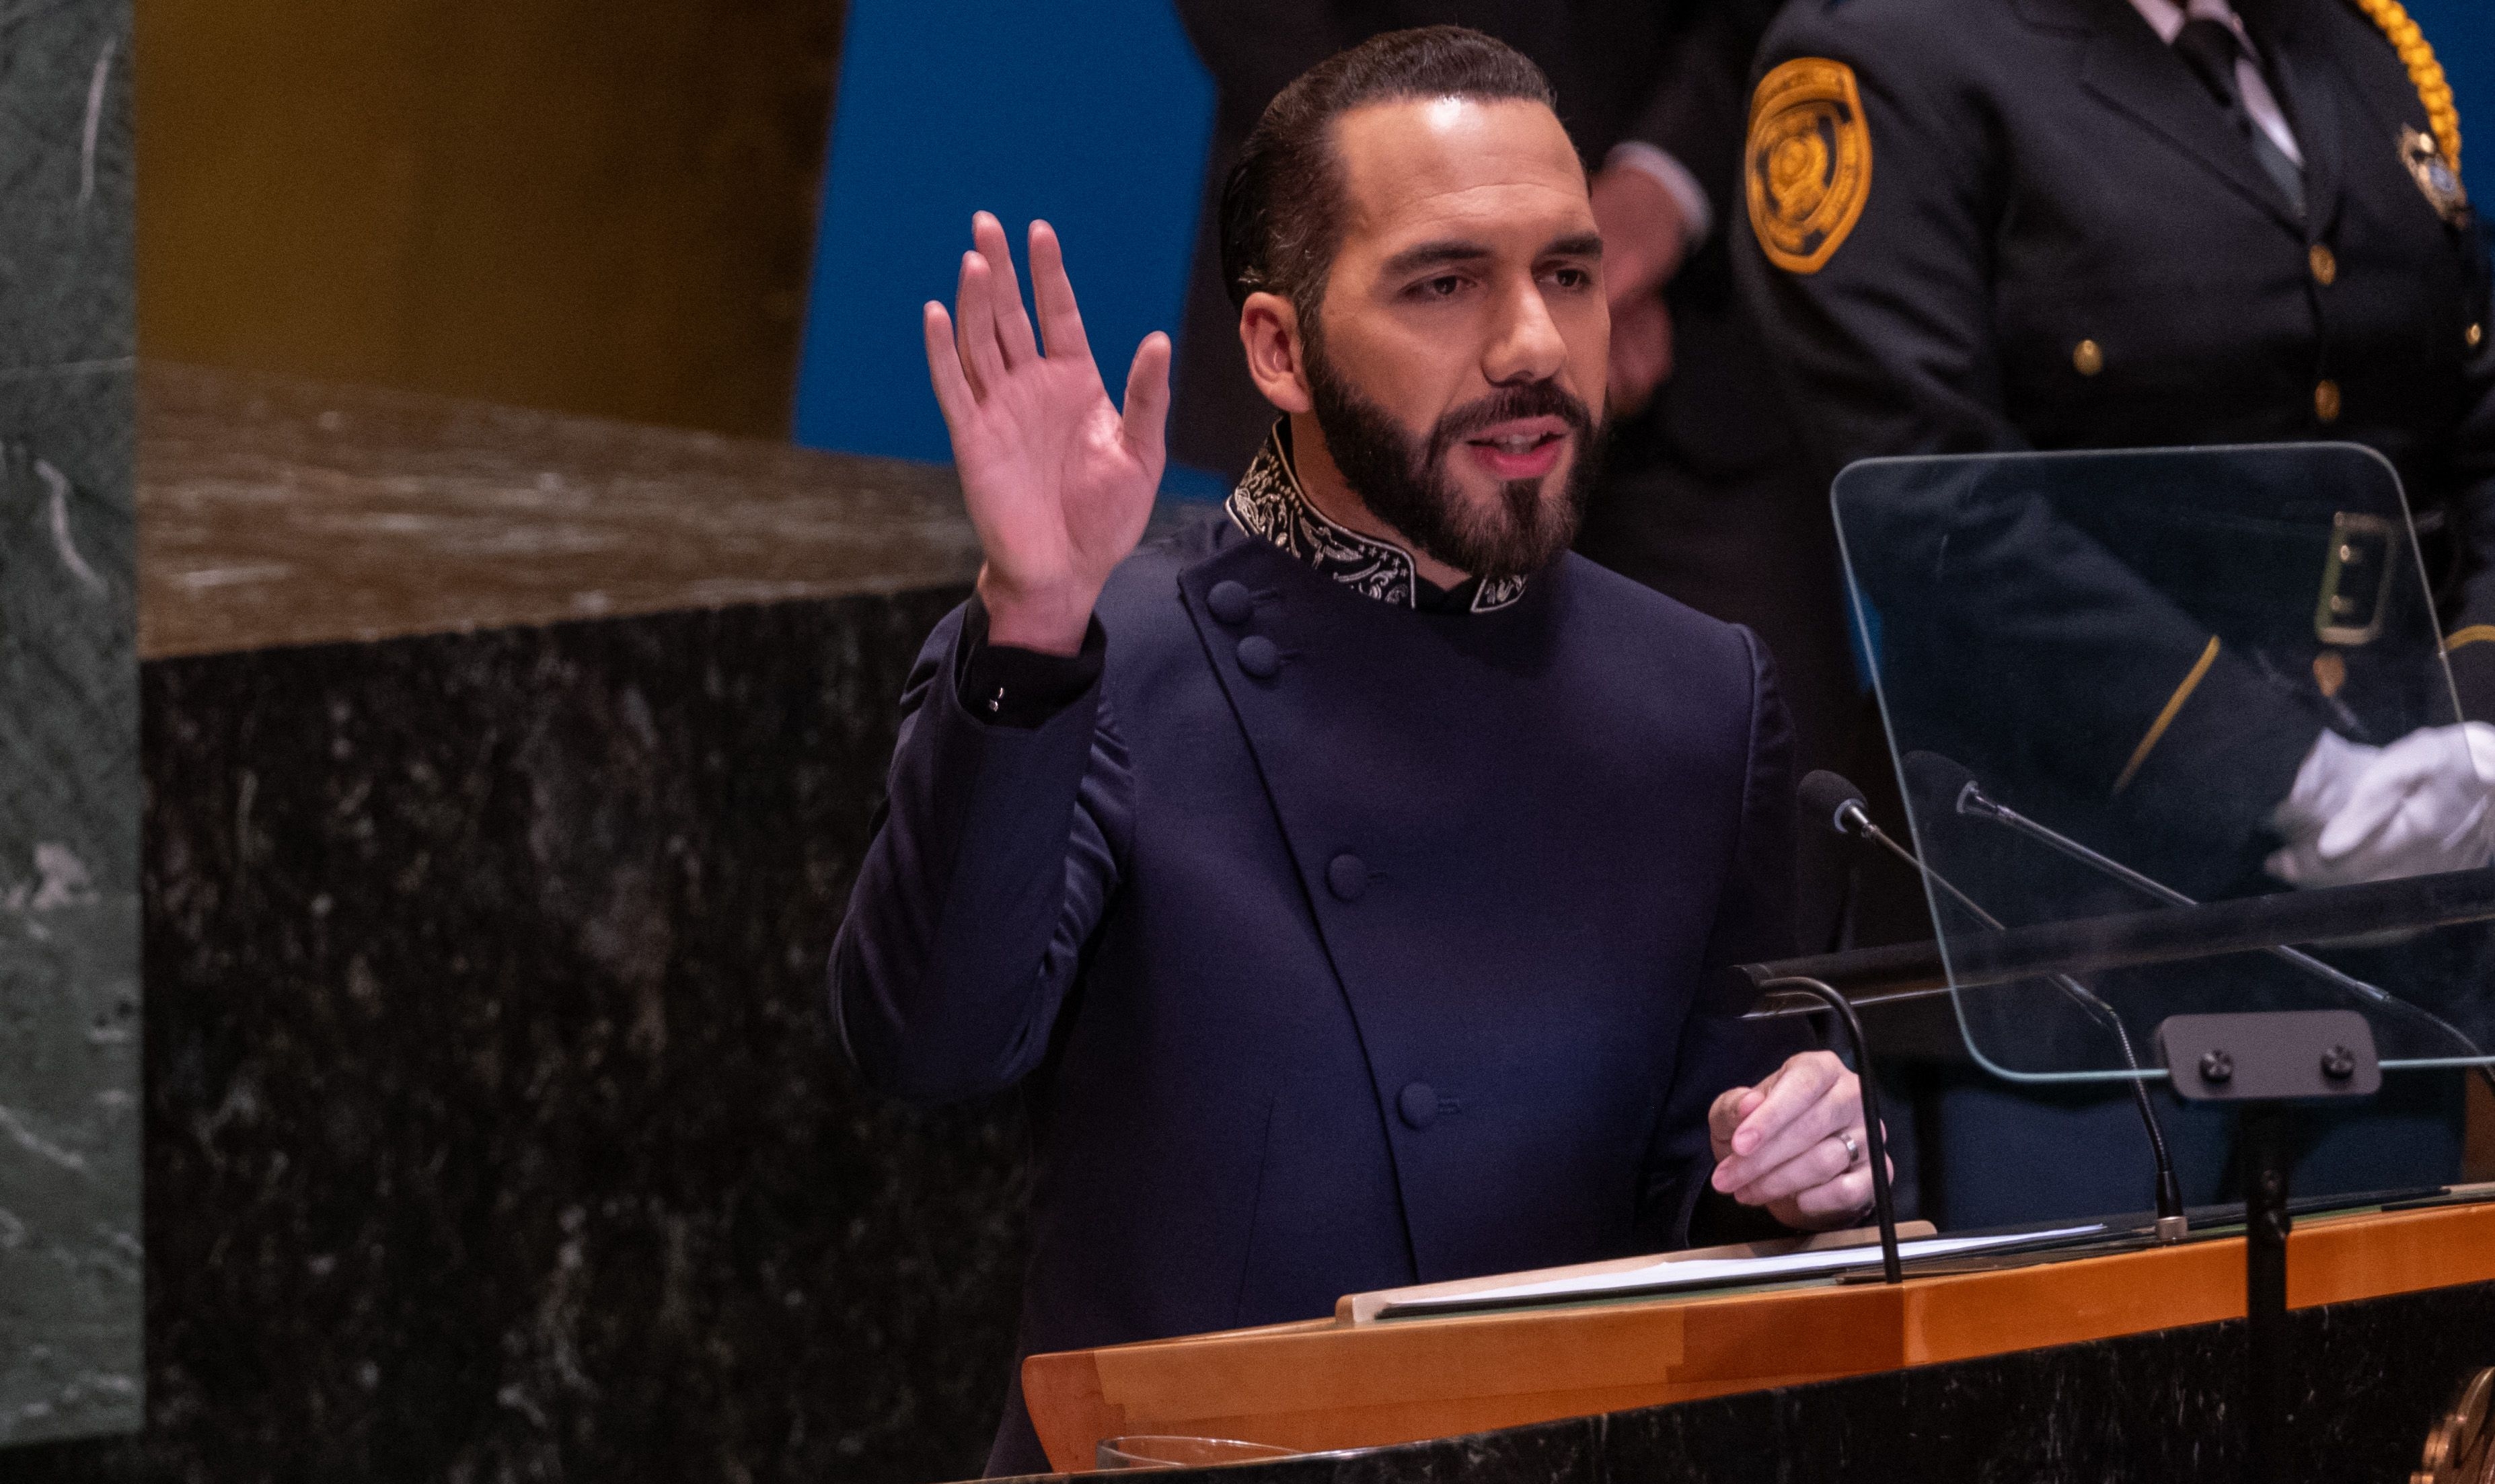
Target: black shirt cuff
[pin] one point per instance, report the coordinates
(1005, 685)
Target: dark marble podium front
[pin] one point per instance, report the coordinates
(504, 779)
(2368, 1379)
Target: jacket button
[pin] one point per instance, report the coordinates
(1418, 1102)
(2087, 358)
(1231, 603)
(1258, 657)
(1347, 876)
(2325, 401)
(2325, 264)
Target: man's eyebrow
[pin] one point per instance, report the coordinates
(1430, 255)
(1452, 249)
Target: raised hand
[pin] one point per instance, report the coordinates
(1058, 483)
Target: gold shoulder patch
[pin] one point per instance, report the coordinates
(1808, 161)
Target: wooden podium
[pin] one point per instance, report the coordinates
(1341, 1383)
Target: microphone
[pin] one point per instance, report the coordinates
(1830, 797)
(1827, 797)
(1939, 777)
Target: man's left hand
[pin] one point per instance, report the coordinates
(1796, 1143)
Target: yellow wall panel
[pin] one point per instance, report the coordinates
(600, 206)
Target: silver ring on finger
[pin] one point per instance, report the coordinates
(1852, 1151)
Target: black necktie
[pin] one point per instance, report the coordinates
(2212, 51)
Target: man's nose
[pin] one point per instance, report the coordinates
(1527, 345)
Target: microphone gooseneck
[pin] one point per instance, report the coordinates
(1942, 776)
(1875, 1137)
(1830, 796)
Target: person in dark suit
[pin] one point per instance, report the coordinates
(2107, 224)
(1704, 495)
(1344, 879)
(1611, 64)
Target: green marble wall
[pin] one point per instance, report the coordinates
(70, 1256)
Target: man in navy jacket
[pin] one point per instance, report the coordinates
(1342, 879)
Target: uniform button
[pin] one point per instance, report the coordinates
(2324, 262)
(1347, 876)
(1418, 1102)
(2471, 335)
(1258, 657)
(1231, 603)
(2325, 400)
(2088, 357)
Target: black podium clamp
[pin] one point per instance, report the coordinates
(2268, 1060)
(2269, 1056)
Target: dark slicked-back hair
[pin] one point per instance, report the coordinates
(1282, 207)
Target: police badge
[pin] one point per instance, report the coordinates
(1808, 161)
(2434, 176)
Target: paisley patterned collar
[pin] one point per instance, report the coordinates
(1269, 502)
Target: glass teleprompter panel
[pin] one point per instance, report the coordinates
(2128, 683)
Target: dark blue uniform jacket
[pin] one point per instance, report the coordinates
(2064, 244)
(1386, 967)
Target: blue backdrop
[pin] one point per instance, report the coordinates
(1095, 114)
(1091, 113)
(2463, 34)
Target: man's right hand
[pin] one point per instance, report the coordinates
(1058, 483)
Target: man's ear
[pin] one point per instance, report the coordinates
(1269, 329)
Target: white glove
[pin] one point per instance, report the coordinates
(2423, 804)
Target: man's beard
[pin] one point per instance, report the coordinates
(1409, 486)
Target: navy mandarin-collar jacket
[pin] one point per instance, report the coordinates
(1338, 946)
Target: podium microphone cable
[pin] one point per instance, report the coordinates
(1828, 797)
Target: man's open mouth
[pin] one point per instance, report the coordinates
(1524, 450)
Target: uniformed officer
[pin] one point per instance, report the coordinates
(2103, 224)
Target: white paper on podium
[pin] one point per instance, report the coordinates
(1665, 1274)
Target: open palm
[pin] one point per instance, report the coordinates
(1059, 483)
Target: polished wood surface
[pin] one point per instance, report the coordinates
(1333, 1384)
